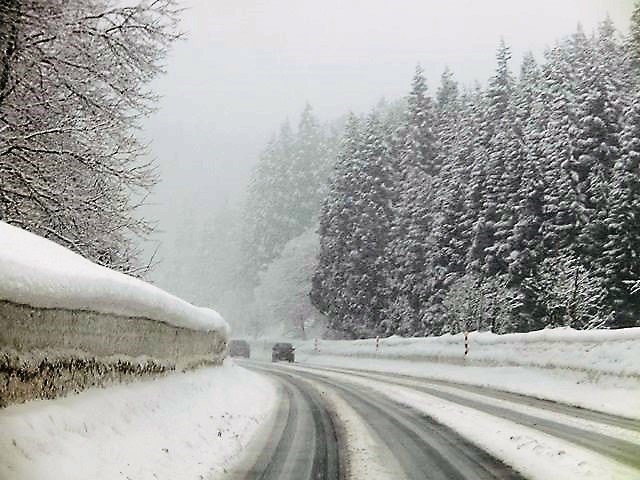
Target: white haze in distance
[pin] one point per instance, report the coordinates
(247, 65)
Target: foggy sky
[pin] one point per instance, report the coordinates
(247, 65)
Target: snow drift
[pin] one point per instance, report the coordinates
(608, 352)
(37, 272)
(177, 427)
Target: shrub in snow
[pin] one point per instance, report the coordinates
(49, 374)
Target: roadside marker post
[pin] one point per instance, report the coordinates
(315, 345)
(466, 343)
(377, 344)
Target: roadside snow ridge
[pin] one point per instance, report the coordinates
(37, 272)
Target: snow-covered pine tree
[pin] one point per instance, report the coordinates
(409, 251)
(506, 166)
(337, 220)
(499, 92)
(633, 44)
(372, 221)
(407, 258)
(522, 248)
(446, 235)
(446, 127)
(419, 146)
(266, 225)
(285, 192)
(526, 90)
(312, 159)
(472, 219)
(448, 92)
(499, 146)
(595, 143)
(596, 148)
(453, 222)
(554, 117)
(620, 263)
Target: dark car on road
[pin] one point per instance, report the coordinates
(239, 348)
(283, 351)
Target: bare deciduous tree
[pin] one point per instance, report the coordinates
(74, 84)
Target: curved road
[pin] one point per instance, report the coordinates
(622, 451)
(550, 405)
(301, 443)
(305, 440)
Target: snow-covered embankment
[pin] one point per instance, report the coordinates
(597, 352)
(596, 369)
(67, 323)
(189, 426)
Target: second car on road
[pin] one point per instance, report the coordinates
(283, 351)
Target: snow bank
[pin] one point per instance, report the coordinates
(184, 426)
(596, 369)
(600, 352)
(37, 272)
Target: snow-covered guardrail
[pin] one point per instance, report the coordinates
(67, 323)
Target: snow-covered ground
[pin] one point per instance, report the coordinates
(188, 426)
(593, 369)
(40, 273)
(600, 351)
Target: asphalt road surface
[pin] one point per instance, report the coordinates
(306, 441)
(302, 440)
(619, 450)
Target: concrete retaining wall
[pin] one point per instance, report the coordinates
(45, 353)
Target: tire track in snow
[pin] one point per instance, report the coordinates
(303, 442)
(622, 451)
(550, 405)
(421, 446)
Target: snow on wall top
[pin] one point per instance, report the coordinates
(37, 272)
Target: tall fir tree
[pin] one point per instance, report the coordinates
(285, 192)
(328, 294)
(349, 283)
(620, 261)
(407, 257)
(633, 45)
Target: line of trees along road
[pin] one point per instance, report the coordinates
(278, 229)
(510, 208)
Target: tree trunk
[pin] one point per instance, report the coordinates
(9, 21)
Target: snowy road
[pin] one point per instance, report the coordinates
(621, 450)
(336, 423)
(306, 440)
(301, 442)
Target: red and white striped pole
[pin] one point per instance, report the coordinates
(466, 343)
(377, 344)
